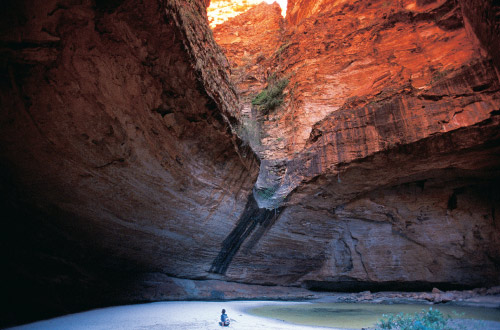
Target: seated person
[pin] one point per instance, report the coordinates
(224, 319)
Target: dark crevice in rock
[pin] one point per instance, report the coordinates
(483, 18)
(432, 97)
(446, 16)
(9, 45)
(452, 202)
(163, 111)
(481, 87)
(353, 285)
(108, 5)
(251, 217)
(421, 184)
(119, 160)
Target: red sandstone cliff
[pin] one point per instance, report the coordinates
(123, 178)
(385, 101)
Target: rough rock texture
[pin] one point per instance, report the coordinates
(158, 286)
(253, 41)
(250, 41)
(123, 177)
(300, 9)
(484, 19)
(373, 68)
(478, 297)
(386, 149)
(116, 154)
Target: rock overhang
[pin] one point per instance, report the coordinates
(125, 139)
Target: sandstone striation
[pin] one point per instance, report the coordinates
(134, 166)
(386, 149)
(250, 41)
(482, 18)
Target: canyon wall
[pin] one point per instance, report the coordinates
(116, 151)
(135, 167)
(382, 163)
(482, 17)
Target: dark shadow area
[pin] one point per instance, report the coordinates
(251, 217)
(359, 286)
(47, 271)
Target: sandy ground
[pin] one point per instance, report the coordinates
(169, 315)
(189, 315)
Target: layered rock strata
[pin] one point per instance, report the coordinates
(133, 167)
(483, 18)
(384, 159)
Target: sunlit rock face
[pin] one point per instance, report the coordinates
(299, 9)
(220, 11)
(368, 64)
(250, 41)
(382, 164)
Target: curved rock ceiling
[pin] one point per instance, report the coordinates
(135, 168)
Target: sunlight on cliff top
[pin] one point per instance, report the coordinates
(222, 10)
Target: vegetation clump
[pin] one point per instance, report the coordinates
(432, 319)
(272, 96)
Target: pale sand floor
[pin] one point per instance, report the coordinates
(190, 315)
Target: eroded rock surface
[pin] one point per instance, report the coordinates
(386, 148)
(134, 167)
(117, 155)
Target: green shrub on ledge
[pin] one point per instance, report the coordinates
(272, 96)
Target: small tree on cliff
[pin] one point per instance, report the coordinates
(272, 96)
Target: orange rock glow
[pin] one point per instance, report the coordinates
(222, 10)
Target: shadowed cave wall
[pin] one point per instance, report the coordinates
(116, 152)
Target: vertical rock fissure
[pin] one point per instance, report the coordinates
(248, 221)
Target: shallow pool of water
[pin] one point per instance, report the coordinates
(356, 316)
